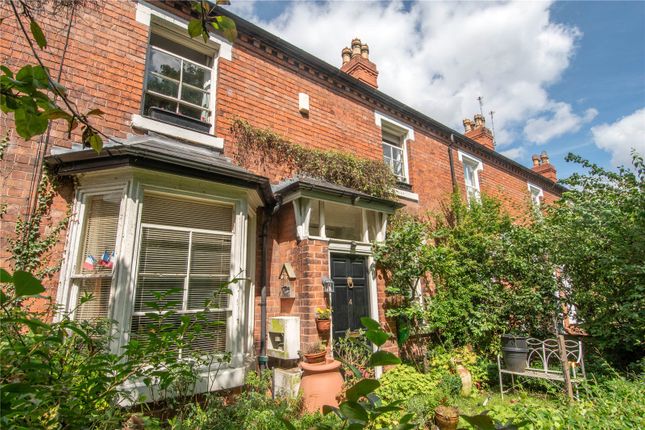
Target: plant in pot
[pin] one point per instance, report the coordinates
(315, 353)
(515, 351)
(446, 417)
(323, 320)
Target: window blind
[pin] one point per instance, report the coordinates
(185, 254)
(93, 269)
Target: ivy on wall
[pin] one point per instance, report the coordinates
(31, 243)
(265, 150)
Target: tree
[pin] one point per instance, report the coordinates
(597, 233)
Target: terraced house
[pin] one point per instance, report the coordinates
(169, 202)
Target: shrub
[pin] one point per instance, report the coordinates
(403, 382)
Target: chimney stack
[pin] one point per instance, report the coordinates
(356, 63)
(543, 166)
(477, 131)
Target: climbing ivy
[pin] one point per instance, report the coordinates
(30, 243)
(265, 150)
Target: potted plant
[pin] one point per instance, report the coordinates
(446, 417)
(515, 351)
(315, 353)
(323, 320)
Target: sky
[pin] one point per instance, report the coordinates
(558, 76)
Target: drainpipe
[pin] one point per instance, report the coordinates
(452, 164)
(264, 267)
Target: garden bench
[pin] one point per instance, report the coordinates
(543, 362)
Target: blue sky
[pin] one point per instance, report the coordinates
(560, 77)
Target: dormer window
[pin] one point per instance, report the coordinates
(178, 84)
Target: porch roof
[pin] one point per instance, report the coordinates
(304, 186)
(161, 154)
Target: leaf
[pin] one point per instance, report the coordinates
(227, 27)
(195, 27)
(354, 411)
(285, 421)
(95, 141)
(97, 112)
(326, 409)
(383, 358)
(370, 324)
(362, 388)
(480, 422)
(38, 34)
(378, 337)
(5, 277)
(25, 284)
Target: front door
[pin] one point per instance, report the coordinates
(350, 299)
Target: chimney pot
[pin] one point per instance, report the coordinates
(468, 125)
(356, 47)
(544, 157)
(479, 120)
(346, 54)
(536, 160)
(365, 51)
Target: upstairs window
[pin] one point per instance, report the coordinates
(536, 195)
(394, 154)
(178, 84)
(472, 166)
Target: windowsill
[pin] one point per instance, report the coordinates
(403, 185)
(408, 195)
(142, 122)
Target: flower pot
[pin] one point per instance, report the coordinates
(315, 357)
(320, 385)
(514, 341)
(446, 417)
(323, 326)
(515, 352)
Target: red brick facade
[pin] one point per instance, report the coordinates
(104, 68)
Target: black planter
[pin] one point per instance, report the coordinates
(179, 119)
(514, 341)
(515, 352)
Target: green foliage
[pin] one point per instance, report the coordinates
(209, 20)
(615, 403)
(490, 275)
(266, 149)
(63, 375)
(353, 350)
(598, 229)
(403, 382)
(30, 244)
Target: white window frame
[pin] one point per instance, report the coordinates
(477, 166)
(404, 131)
(180, 82)
(172, 27)
(536, 193)
(128, 243)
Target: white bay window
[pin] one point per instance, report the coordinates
(143, 249)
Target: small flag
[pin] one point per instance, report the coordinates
(107, 260)
(89, 263)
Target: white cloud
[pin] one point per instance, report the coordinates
(620, 137)
(440, 56)
(559, 120)
(514, 153)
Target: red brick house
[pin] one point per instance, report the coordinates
(171, 209)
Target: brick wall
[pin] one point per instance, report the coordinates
(104, 68)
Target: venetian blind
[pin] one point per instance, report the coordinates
(184, 260)
(93, 270)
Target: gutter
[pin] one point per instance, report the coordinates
(452, 163)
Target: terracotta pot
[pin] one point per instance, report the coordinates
(323, 326)
(446, 417)
(320, 384)
(315, 357)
